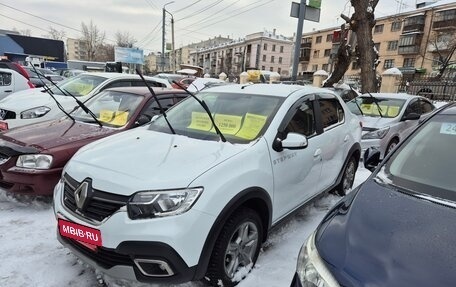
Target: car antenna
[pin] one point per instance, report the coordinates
(156, 99)
(356, 103)
(48, 90)
(375, 101)
(205, 107)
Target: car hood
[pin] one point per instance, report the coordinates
(51, 134)
(382, 237)
(143, 160)
(376, 122)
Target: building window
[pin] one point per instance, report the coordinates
(389, 63)
(279, 70)
(264, 58)
(314, 68)
(409, 62)
(271, 69)
(316, 53)
(265, 47)
(355, 65)
(263, 68)
(318, 40)
(272, 59)
(329, 38)
(377, 46)
(326, 67)
(280, 60)
(327, 52)
(281, 49)
(396, 26)
(378, 29)
(392, 46)
(273, 48)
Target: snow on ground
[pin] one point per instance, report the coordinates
(32, 256)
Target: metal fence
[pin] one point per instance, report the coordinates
(443, 89)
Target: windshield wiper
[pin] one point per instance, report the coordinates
(356, 102)
(378, 107)
(206, 108)
(49, 91)
(162, 110)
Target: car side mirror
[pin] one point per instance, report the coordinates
(294, 141)
(142, 119)
(371, 158)
(411, 117)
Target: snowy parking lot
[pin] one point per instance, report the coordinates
(32, 256)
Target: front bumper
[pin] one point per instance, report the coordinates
(29, 181)
(176, 240)
(379, 144)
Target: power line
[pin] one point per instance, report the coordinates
(188, 6)
(201, 10)
(206, 19)
(152, 4)
(26, 23)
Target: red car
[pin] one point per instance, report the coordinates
(32, 157)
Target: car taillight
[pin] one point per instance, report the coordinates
(30, 84)
(3, 126)
(22, 71)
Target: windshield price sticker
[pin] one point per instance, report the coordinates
(252, 126)
(120, 118)
(366, 108)
(200, 121)
(228, 124)
(393, 111)
(80, 232)
(106, 115)
(448, 128)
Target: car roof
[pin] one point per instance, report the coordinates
(401, 96)
(278, 90)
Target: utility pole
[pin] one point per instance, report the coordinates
(297, 48)
(163, 34)
(173, 49)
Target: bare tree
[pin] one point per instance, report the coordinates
(443, 45)
(342, 60)
(105, 53)
(362, 22)
(124, 39)
(93, 37)
(56, 34)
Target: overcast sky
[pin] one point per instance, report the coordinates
(195, 20)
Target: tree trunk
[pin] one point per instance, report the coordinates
(342, 60)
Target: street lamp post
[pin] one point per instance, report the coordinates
(163, 34)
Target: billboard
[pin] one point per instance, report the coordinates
(129, 55)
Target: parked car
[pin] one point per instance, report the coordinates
(388, 118)
(54, 78)
(203, 83)
(32, 157)
(68, 73)
(185, 199)
(397, 228)
(7, 64)
(37, 105)
(38, 80)
(183, 80)
(11, 82)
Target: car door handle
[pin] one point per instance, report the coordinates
(317, 153)
(8, 91)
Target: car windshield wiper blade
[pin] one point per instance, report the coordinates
(378, 107)
(48, 90)
(356, 102)
(206, 108)
(162, 110)
(85, 108)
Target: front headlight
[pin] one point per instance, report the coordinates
(377, 134)
(35, 112)
(149, 204)
(311, 269)
(36, 161)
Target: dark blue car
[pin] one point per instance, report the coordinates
(399, 227)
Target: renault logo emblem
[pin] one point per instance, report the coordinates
(83, 193)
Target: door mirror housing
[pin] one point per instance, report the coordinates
(142, 119)
(371, 158)
(294, 141)
(411, 117)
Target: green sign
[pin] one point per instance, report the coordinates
(315, 4)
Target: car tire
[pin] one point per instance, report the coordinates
(348, 177)
(391, 145)
(236, 249)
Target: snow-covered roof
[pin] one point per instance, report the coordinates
(392, 71)
(321, 73)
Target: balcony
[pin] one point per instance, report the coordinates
(407, 50)
(304, 55)
(306, 45)
(444, 23)
(414, 24)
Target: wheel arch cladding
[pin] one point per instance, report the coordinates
(254, 198)
(355, 151)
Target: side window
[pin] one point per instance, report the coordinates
(426, 107)
(303, 121)
(332, 112)
(179, 97)
(117, 84)
(413, 107)
(151, 109)
(5, 79)
(140, 83)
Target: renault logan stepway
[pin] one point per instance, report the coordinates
(194, 195)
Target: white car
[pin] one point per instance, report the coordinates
(179, 201)
(36, 105)
(388, 118)
(11, 82)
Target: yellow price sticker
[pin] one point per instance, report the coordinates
(120, 118)
(228, 124)
(106, 115)
(366, 108)
(200, 121)
(393, 111)
(252, 126)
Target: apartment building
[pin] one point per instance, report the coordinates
(408, 41)
(262, 51)
(77, 50)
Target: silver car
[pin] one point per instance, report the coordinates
(388, 118)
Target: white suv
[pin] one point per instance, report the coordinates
(179, 200)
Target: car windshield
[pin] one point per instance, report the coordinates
(111, 108)
(240, 117)
(78, 86)
(424, 162)
(390, 108)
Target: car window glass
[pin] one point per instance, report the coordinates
(426, 107)
(78, 86)
(413, 107)
(331, 112)
(151, 109)
(117, 84)
(390, 108)
(5, 79)
(303, 121)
